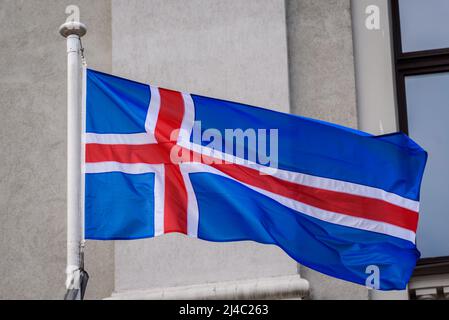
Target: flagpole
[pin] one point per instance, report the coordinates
(73, 31)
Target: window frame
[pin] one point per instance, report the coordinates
(409, 64)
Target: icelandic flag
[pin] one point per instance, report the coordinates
(337, 200)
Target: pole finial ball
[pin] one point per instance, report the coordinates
(72, 27)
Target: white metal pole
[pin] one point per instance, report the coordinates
(73, 31)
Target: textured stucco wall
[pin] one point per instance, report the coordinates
(322, 86)
(321, 60)
(227, 49)
(33, 147)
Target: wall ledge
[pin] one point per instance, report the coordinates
(284, 287)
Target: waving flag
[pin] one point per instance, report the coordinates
(335, 199)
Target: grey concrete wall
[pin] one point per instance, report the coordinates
(33, 147)
(321, 60)
(322, 86)
(227, 49)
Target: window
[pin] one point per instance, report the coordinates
(424, 24)
(421, 55)
(427, 98)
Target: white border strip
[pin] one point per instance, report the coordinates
(187, 121)
(192, 205)
(130, 168)
(111, 138)
(324, 215)
(153, 111)
(159, 200)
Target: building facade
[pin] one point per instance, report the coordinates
(334, 60)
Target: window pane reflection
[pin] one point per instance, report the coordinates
(424, 24)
